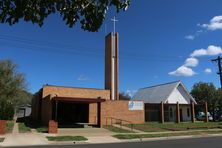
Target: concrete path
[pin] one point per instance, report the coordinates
(23, 139)
(94, 135)
(15, 129)
(102, 139)
(84, 132)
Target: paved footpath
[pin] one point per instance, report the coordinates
(22, 139)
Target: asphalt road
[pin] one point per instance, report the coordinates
(205, 142)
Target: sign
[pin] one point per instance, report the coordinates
(135, 105)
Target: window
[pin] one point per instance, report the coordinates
(188, 112)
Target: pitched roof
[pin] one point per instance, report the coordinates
(158, 93)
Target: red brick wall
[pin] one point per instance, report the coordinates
(76, 92)
(53, 127)
(120, 110)
(46, 110)
(2, 127)
(93, 113)
(115, 109)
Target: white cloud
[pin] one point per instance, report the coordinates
(82, 78)
(183, 71)
(210, 51)
(191, 62)
(208, 71)
(214, 24)
(190, 37)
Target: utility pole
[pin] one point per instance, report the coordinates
(218, 60)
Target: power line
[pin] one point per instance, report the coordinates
(44, 46)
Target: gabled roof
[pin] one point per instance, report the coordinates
(159, 93)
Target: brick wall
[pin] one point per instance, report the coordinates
(76, 92)
(93, 113)
(46, 110)
(2, 127)
(115, 109)
(120, 110)
(53, 127)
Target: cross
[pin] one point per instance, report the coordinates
(114, 23)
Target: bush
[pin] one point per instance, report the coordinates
(6, 111)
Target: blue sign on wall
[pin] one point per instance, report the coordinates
(135, 105)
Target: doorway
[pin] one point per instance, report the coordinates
(70, 114)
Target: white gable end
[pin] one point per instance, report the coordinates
(179, 95)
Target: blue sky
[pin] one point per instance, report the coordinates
(156, 38)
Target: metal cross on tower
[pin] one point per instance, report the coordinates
(114, 24)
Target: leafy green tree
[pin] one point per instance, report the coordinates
(219, 98)
(90, 13)
(12, 83)
(124, 96)
(23, 98)
(206, 92)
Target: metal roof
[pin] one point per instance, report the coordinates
(158, 93)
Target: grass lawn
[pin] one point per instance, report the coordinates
(2, 139)
(10, 125)
(66, 138)
(138, 136)
(158, 127)
(23, 128)
(42, 129)
(117, 129)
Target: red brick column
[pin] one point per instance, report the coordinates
(53, 127)
(2, 127)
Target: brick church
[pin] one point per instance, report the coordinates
(73, 105)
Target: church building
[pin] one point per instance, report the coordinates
(74, 105)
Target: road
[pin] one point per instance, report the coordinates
(205, 142)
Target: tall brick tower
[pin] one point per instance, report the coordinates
(112, 65)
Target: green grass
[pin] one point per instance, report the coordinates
(66, 138)
(10, 125)
(139, 136)
(42, 129)
(23, 128)
(2, 139)
(158, 127)
(117, 129)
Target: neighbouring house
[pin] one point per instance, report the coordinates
(73, 105)
(169, 102)
(24, 111)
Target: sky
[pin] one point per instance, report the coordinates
(160, 41)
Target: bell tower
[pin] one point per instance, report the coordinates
(112, 65)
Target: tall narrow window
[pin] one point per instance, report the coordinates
(188, 112)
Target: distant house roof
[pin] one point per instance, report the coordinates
(160, 93)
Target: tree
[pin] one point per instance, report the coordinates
(12, 84)
(219, 98)
(124, 96)
(206, 92)
(90, 13)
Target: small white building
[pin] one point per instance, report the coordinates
(167, 102)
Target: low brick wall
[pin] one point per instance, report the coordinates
(53, 127)
(3, 124)
(119, 109)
